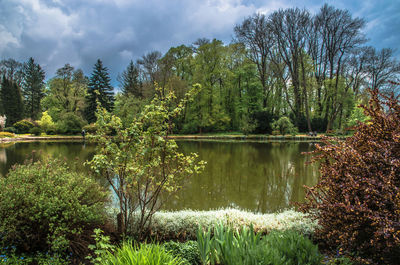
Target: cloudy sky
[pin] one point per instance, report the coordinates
(55, 32)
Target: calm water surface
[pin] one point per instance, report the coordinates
(256, 176)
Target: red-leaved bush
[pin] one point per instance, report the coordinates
(357, 199)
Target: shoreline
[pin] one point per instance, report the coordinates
(28, 138)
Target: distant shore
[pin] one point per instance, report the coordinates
(238, 137)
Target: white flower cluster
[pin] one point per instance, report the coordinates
(184, 224)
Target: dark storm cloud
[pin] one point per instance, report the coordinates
(56, 32)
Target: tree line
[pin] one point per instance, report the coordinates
(310, 68)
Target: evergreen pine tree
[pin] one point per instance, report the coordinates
(129, 80)
(32, 88)
(11, 100)
(99, 89)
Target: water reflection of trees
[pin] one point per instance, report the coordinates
(256, 176)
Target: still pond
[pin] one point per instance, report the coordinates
(256, 176)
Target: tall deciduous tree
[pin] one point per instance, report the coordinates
(33, 87)
(381, 67)
(12, 69)
(340, 34)
(66, 92)
(99, 90)
(256, 35)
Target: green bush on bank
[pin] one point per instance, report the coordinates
(35, 131)
(6, 135)
(188, 251)
(182, 225)
(69, 123)
(10, 130)
(46, 207)
(23, 126)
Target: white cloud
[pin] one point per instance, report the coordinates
(7, 39)
(78, 32)
(125, 54)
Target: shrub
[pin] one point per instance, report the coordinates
(284, 126)
(69, 123)
(145, 254)
(46, 207)
(6, 135)
(188, 251)
(51, 131)
(39, 258)
(263, 120)
(23, 126)
(289, 247)
(90, 128)
(35, 131)
(275, 132)
(46, 122)
(10, 130)
(101, 248)
(183, 225)
(357, 201)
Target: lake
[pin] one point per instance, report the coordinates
(255, 176)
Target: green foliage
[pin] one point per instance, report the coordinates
(90, 128)
(40, 259)
(236, 247)
(357, 201)
(188, 251)
(248, 125)
(46, 207)
(69, 123)
(284, 126)
(340, 261)
(32, 88)
(130, 83)
(11, 99)
(23, 126)
(99, 91)
(35, 131)
(46, 122)
(264, 120)
(142, 159)
(51, 131)
(10, 130)
(65, 93)
(357, 115)
(205, 244)
(6, 134)
(290, 247)
(101, 248)
(128, 107)
(244, 246)
(145, 254)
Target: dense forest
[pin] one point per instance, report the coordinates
(311, 68)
